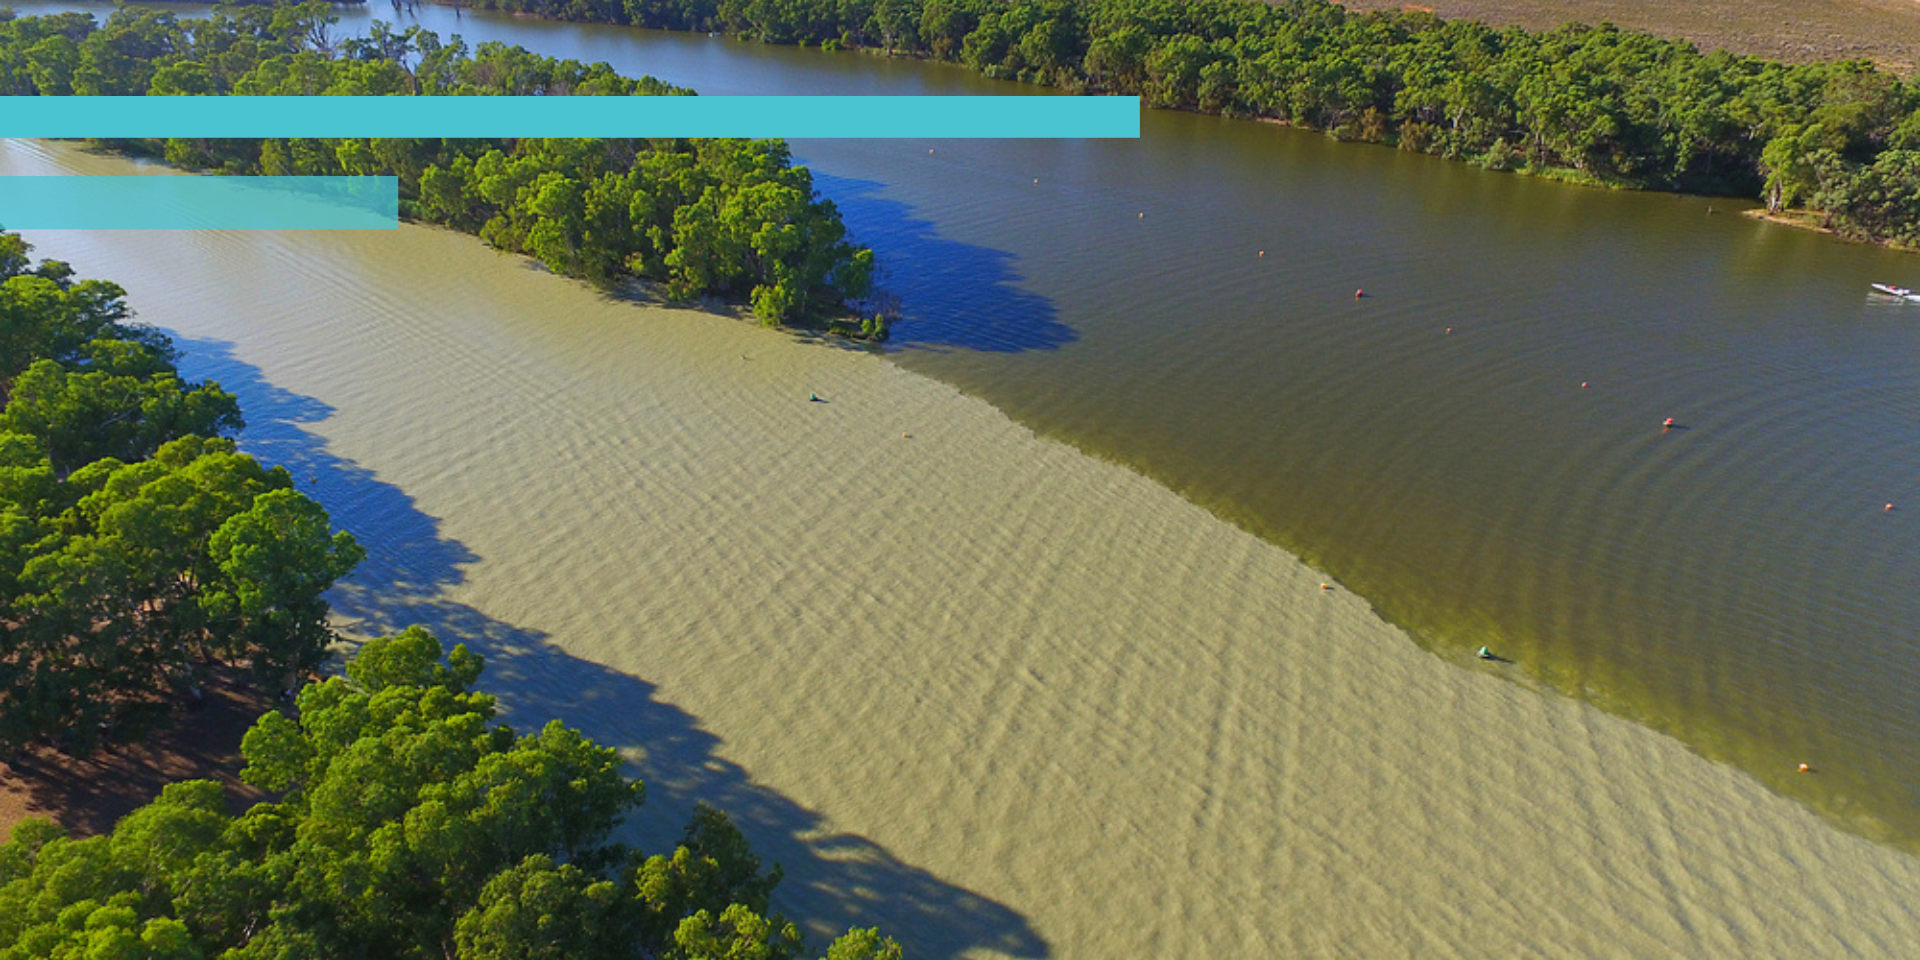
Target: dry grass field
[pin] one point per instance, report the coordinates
(1884, 31)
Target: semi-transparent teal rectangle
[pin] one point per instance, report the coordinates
(1050, 117)
(199, 203)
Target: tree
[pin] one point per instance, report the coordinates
(411, 826)
(541, 911)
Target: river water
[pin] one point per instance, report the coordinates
(1476, 446)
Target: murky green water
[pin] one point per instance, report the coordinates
(1476, 446)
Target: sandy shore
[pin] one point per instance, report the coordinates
(974, 686)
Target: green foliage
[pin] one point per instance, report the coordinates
(411, 826)
(1595, 104)
(113, 406)
(539, 911)
(137, 547)
(730, 218)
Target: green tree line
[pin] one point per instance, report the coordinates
(408, 826)
(1596, 104)
(729, 218)
(138, 548)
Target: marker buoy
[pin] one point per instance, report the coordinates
(1668, 425)
(1805, 769)
(1036, 179)
(1326, 586)
(1143, 216)
(1263, 253)
(1357, 294)
(1583, 384)
(1449, 329)
(929, 153)
(1889, 508)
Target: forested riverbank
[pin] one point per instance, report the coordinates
(1593, 104)
(728, 218)
(140, 553)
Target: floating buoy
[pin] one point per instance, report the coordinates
(1805, 769)
(1668, 425)
(1357, 294)
(1143, 216)
(1036, 179)
(813, 397)
(1263, 253)
(1583, 384)
(1449, 329)
(905, 436)
(929, 153)
(1889, 508)
(1326, 586)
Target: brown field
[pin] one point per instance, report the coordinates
(1884, 31)
(88, 796)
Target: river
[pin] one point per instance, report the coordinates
(1476, 446)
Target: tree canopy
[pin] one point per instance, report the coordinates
(410, 824)
(138, 547)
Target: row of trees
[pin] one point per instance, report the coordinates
(409, 825)
(138, 549)
(1593, 103)
(731, 218)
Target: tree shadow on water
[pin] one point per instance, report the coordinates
(952, 294)
(833, 880)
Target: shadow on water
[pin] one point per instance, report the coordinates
(835, 880)
(953, 294)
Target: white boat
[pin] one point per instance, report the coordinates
(1893, 291)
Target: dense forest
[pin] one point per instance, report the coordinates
(408, 826)
(139, 553)
(732, 218)
(138, 550)
(1594, 104)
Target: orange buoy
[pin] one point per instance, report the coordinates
(1668, 425)
(1326, 586)
(1143, 216)
(1357, 294)
(1263, 253)
(1889, 508)
(1583, 384)
(1805, 769)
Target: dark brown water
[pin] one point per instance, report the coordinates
(1735, 581)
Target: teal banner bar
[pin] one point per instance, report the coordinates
(199, 203)
(478, 117)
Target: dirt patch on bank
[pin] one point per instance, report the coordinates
(88, 796)
(1884, 31)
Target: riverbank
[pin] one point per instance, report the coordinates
(1812, 220)
(964, 683)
